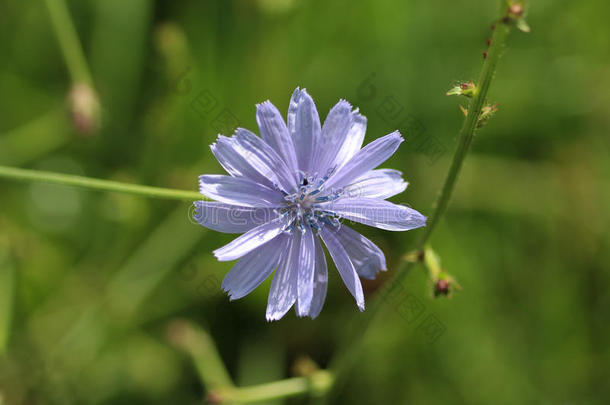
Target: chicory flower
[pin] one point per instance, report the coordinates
(287, 192)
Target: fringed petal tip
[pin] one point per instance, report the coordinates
(232, 296)
(398, 135)
(308, 313)
(265, 106)
(274, 317)
(345, 107)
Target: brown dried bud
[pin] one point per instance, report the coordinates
(84, 108)
(213, 398)
(442, 287)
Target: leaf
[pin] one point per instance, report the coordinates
(7, 289)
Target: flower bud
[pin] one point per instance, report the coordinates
(486, 113)
(515, 10)
(467, 89)
(414, 256)
(84, 108)
(304, 366)
(442, 287)
(214, 398)
(443, 283)
(515, 13)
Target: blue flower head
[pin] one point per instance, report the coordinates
(287, 192)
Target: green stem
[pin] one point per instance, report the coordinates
(7, 295)
(344, 360)
(199, 345)
(68, 41)
(97, 184)
(468, 129)
(317, 383)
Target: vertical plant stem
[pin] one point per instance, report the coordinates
(7, 288)
(346, 358)
(468, 129)
(69, 44)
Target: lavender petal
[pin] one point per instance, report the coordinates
(342, 136)
(366, 257)
(249, 241)
(378, 213)
(320, 281)
(239, 191)
(275, 133)
(380, 183)
(235, 163)
(304, 127)
(369, 157)
(252, 269)
(231, 218)
(305, 272)
(265, 160)
(344, 265)
(283, 291)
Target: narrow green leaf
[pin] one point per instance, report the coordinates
(7, 290)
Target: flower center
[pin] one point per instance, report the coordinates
(302, 210)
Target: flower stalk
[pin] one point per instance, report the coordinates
(29, 175)
(69, 43)
(199, 346)
(478, 97)
(83, 100)
(471, 122)
(315, 385)
(7, 293)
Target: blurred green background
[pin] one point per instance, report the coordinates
(90, 283)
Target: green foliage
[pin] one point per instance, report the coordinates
(90, 281)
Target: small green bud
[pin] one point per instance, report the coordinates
(522, 25)
(455, 91)
(487, 112)
(467, 89)
(414, 256)
(443, 283)
(516, 14)
(304, 366)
